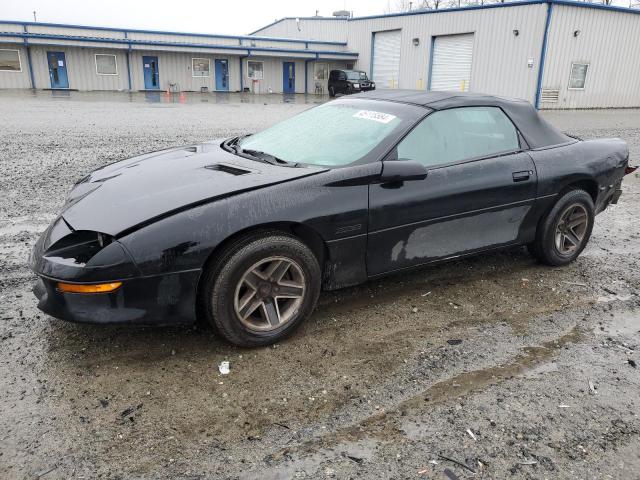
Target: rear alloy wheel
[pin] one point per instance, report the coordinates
(571, 229)
(260, 288)
(565, 231)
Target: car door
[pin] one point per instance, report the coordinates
(479, 189)
(343, 85)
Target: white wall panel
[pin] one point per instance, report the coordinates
(81, 68)
(328, 29)
(609, 42)
(16, 79)
(500, 58)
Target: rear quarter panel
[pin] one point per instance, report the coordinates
(599, 161)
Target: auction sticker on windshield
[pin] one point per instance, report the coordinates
(375, 116)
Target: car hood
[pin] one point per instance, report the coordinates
(123, 195)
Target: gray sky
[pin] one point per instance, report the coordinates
(212, 16)
(206, 16)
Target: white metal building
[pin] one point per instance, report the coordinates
(554, 53)
(52, 56)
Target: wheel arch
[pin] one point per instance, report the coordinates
(306, 234)
(588, 184)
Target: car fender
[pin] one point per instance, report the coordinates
(334, 204)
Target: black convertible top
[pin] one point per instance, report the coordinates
(536, 131)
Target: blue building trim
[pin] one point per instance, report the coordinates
(306, 71)
(185, 34)
(241, 70)
(373, 45)
(543, 54)
(29, 62)
(430, 73)
(294, 18)
(611, 8)
(126, 35)
(130, 42)
(571, 3)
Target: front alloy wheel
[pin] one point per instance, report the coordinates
(260, 287)
(269, 293)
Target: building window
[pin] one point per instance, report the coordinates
(320, 71)
(578, 76)
(200, 67)
(255, 70)
(106, 64)
(10, 61)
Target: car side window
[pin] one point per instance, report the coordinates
(343, 76)
(458, 134)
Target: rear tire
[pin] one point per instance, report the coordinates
(260, 288)
(332, 92)
(566, 229)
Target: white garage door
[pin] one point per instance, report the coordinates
(452, 59)
(386, 59)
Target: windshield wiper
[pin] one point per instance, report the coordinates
(265, 157)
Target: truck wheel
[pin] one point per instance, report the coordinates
(260, 288)
(565, 231)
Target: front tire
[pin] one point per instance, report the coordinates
(260, 288)
(565, 231)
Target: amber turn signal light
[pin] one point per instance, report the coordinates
(95, 288)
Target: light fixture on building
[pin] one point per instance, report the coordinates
(516, 32)
(576, 33)
(416, 41)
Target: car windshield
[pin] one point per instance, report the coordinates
(334, 134)
(356, 75)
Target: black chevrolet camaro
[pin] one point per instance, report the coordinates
(246, 232)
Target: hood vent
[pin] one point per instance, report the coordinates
(230, 169)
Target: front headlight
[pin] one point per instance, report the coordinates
(356, 85)
(373, 84)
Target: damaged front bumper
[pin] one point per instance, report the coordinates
(162, 300)
(63, 257)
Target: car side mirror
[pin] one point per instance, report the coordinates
(402, 170)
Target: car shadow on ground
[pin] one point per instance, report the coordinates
(149, 343)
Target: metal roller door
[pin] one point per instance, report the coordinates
(451, 62)
(386, 59)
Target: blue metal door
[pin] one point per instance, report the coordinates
(288, 77)
(151, 73)
(222, 75)
(57, 70)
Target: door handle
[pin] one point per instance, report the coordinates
(522, 176)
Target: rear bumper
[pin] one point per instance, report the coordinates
(163, 300)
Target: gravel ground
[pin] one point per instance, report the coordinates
(490, 367)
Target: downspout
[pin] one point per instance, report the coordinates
(306, 71)
(241, 72)
(373, 43)
(26, 44)
(430, 72)
(543, 54)
(128, 61)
